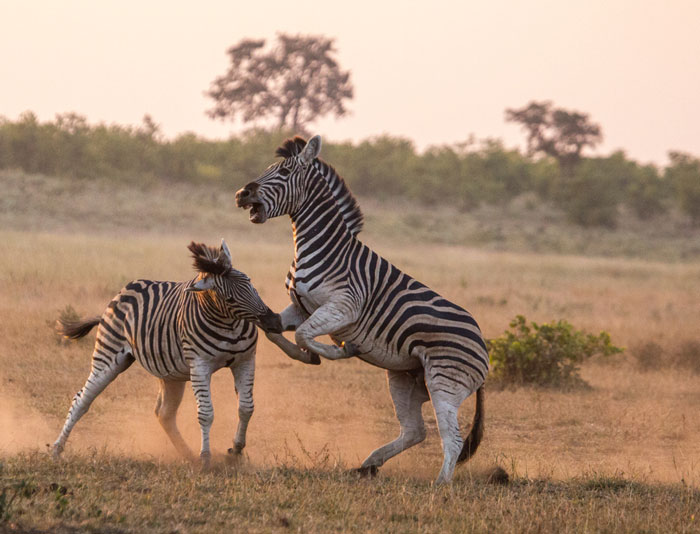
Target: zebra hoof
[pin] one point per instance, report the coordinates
(56, 452)
(234, 456)
(205, 463)
(370, 471)
(314, 359)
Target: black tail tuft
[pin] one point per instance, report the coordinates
(477, 431)
(76, 329)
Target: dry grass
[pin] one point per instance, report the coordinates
(623, 457)
(102, 493)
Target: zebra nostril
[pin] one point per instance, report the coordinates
(242, 196)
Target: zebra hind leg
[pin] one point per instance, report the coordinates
(169, 399)
(446, 405)
(100, 377)
(408, 392)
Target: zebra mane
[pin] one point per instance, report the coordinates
(206, 259)
(347, 203)
(291, 147)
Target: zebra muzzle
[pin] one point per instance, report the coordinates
(271, 322)
(247, 198)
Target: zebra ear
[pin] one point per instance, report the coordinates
(311, 150)
(224, 254)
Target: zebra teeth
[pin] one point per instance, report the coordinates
(257, 213)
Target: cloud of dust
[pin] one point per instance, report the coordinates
(133, 431)
(20, 428)
(302, 418)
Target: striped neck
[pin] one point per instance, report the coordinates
(318, 225)
(214, 307)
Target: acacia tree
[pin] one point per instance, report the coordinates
(558, 133)
(294, 83)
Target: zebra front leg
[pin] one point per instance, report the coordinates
(99, 378)
(169, 399)
(200, 374)
(291, 350)
(408, 393)
(329, 318)
(243, 376)
(292, 317)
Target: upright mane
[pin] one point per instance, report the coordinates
(347, 203)
(205, 259)
(291, 147)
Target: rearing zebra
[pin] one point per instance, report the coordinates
(430, 347)
(179, 331)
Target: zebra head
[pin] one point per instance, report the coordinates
(231, 286)
(282, 188)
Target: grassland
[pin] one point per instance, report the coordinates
(623, 456)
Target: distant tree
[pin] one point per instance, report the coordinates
(647, 193)
(294, 83)
(558, 133)
(684, 175)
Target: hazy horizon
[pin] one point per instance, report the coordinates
(434, 74)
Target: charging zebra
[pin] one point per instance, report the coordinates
(431, 348)
(179, 331)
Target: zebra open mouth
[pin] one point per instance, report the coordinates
(257, 212)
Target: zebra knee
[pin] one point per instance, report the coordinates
(206, 419)
(245, 412)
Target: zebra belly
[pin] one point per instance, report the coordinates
(160, 365)
(377, 352)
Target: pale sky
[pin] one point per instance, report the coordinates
(433, 71)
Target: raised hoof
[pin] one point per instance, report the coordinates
(366, 472)
(314, 359)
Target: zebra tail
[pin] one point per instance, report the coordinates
(76, 329)
(477, 430)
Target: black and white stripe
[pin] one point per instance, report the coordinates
(179, 331)
(431, 347)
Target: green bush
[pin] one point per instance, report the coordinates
(544, 355)
(461, 175)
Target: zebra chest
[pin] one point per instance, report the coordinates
(308, 297)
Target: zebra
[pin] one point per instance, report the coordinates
(179, 331)
(431, 348)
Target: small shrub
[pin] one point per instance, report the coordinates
(687, 356)
(544, 355)
(649, 356)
